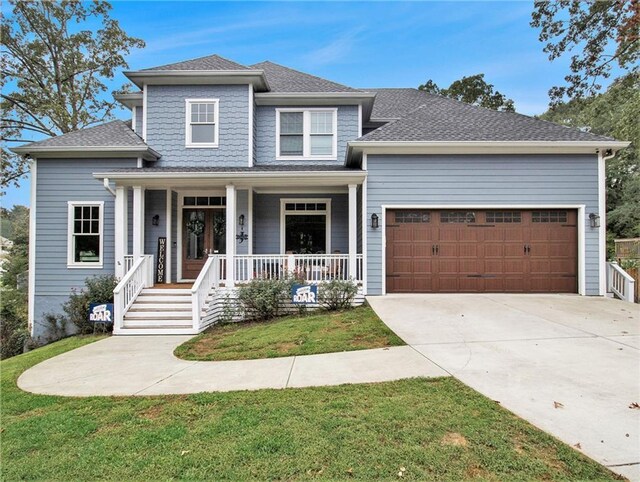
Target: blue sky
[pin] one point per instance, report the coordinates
(381, 44)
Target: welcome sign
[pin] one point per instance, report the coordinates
(304, 294)
(101, 313)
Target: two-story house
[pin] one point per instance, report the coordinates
(228, 172)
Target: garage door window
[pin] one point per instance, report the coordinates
(457, 217)
(549, 216)
(413, 217)
(504, 217)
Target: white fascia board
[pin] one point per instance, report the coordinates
(88, 151)
(130, 100)
(199, 77)
(486, 147)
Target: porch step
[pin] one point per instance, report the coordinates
(156, 323)
(168, 291)
(155, 306)
(158, 315)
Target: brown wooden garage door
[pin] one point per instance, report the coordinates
(481, 251)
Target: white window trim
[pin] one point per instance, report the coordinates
(70, 221)
(284, 213)
(306, 134)
(216, 119)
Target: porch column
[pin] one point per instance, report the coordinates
(231, 234)
(138, 222)
(353, 229)
(120, 229)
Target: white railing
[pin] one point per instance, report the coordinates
(139, 276)
(311, 268)
(208, 278)
(619, 282)
(128, 262)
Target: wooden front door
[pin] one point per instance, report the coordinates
(476, 251)
(203, 233)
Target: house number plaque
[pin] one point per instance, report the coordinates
(162, 258)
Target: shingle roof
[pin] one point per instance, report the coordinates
(116, 133)
(210, 62)
(435, 118)
(284, 79)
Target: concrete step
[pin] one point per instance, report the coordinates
(145, 298)
(169, 306)
(158, 315)
(172, 291)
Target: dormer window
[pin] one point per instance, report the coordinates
(202, 123)
(306, 134)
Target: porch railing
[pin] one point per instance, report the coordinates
(619, 282)
(139, 276)
(128, 262)
(208, 278)
(310, 268)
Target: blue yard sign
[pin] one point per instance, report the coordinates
(304, 294)
(101, 313)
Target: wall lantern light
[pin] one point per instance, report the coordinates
(155, 220)
(241, 220)
(374, 221)
(242, 236)
(594, 220)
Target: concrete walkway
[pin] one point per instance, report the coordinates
(145, 365)
(568, 364)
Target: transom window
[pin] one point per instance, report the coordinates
(205, 201)
(413, 217)
(306, 133)
(549, 216)
(85, 222)
(457, 217)
(305, 226)
(202, 123)
(504, 216)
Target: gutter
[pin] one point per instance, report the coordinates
(105, 151)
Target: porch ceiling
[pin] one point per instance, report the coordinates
(263, 176)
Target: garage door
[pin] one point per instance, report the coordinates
(481, 251)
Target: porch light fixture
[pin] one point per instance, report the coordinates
(155, 220)
(242, 236)
(241, 220)
(374, 221)
(594, 220)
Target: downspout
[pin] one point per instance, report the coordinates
(105, 182)
(602, 210)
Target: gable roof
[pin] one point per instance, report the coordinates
(114, 136)
(425, 117)
(209, 62)
(284, 79)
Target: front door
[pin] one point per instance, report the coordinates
(203, 233)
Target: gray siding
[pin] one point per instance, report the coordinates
(266, 213)
(138, 126)
(60, 181)
(155, 202)
(265, 144)
(166, 114)
(524, 179)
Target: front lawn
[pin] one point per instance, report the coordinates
(435, 429)
(319, 332)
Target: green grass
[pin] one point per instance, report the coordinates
(436, 429)
(320, 332)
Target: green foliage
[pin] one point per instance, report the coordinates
(14, 332)
(262, 299)
(98, 289)
(55, 63)
(472, 90)
(337, 294)
(614, 113)
(603, 33)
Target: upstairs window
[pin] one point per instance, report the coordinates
(202, 123)
(85, 234)
(306, 133)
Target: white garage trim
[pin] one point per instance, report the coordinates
(525, 207)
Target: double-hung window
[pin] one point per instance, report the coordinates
(306, 133)
(85, 234)
(202, 123)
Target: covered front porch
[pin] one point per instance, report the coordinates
(207, 232)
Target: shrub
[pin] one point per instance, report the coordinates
(56, 327)
(337, 294)
(262, 299)
(13, 322)
(98, 289)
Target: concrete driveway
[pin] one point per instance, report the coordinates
(568, 364)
